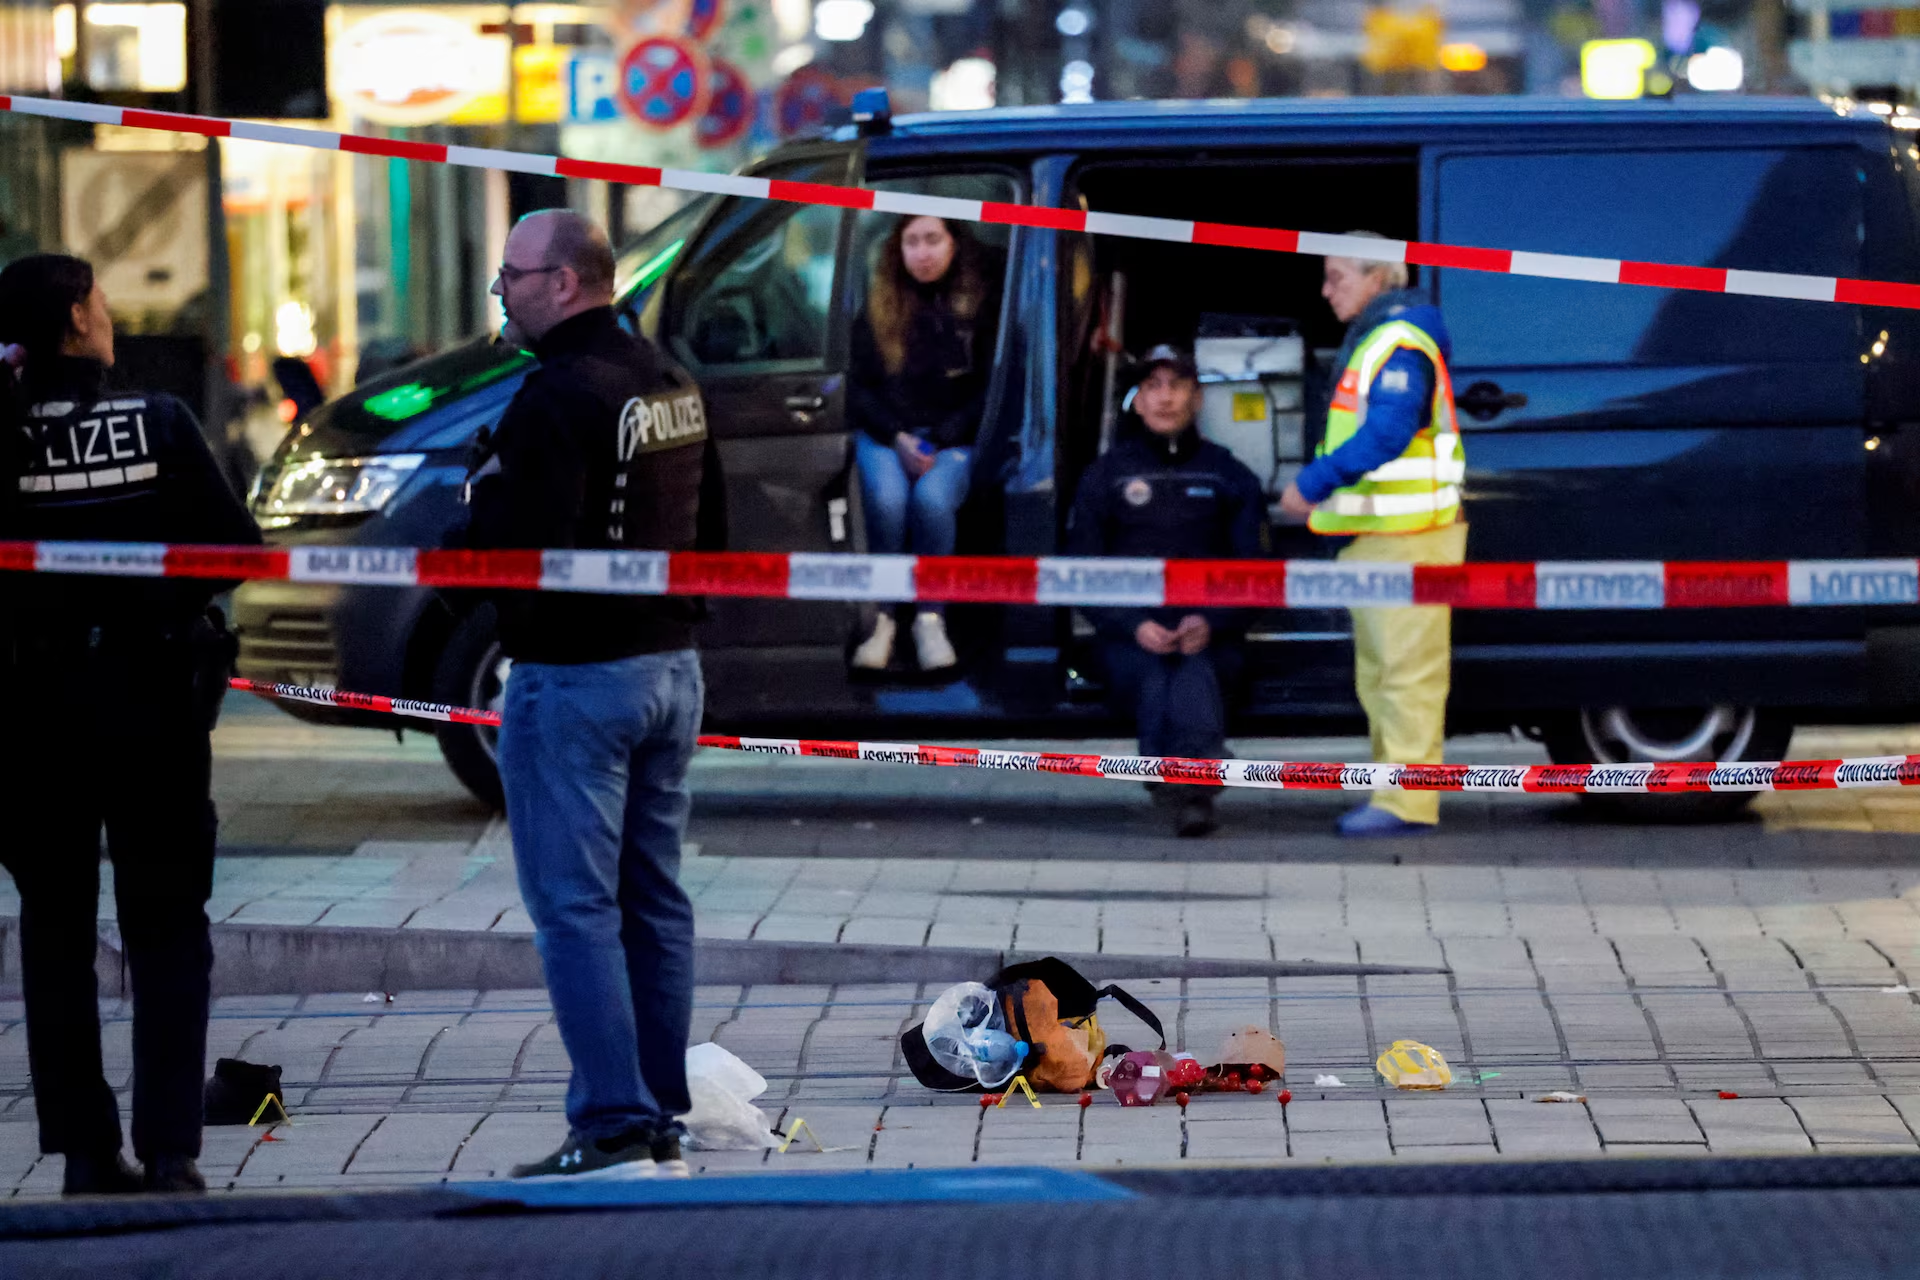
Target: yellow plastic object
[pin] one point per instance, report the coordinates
(1018, 1082)
(1412, 1065)
(272, 1099)
(797, 1128)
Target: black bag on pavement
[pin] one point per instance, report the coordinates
(1077, 998)
(237, 1089)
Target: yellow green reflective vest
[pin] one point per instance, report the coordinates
(1420, 489)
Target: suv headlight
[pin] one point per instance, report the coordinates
(337, 486)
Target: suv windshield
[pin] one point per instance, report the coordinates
(383, 405)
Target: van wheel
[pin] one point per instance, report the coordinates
(472, 672)
(1640, 735)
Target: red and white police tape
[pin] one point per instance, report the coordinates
(1272, 775)
(1044, 580)
(1767, 284)
(408, 707)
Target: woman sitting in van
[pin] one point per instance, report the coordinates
(922, 355)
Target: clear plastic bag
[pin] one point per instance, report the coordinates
(723, 1089)
(966, 1032)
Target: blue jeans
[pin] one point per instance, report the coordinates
(896, 504)
(593, 759)
(1175, 699)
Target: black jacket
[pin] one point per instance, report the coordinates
(1184, 499)
(605, 446)
(86, 464)
(940, 392)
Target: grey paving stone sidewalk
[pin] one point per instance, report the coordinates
(454, 1085)
(1649, 969)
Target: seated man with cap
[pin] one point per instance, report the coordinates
(1163, 491)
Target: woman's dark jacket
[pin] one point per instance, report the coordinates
(940, 391)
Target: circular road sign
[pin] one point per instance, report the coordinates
(664, 81)
(802, 103)
(729, 109)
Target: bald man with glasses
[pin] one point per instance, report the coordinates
(605, 446)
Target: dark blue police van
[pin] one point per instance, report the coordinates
(1602, 422)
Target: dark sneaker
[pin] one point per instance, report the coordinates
(1164, 795)
(175, 1174)
(630, 1158)
(667, 1160)
(1195, 816)
(100, 1175)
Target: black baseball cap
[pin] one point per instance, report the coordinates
(1166, 355)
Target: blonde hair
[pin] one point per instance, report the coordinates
(1395, 272)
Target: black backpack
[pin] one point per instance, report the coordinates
(237, 1090)
(1020, 987)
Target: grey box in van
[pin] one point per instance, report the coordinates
(1601, 421)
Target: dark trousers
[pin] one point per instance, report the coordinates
(1175, 700)
(111, 735)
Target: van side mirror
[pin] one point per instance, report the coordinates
(872, 112)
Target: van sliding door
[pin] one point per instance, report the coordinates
(1616, 422)
(1657, 423)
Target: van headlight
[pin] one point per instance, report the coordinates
(337, 486)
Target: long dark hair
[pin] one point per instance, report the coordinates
(893, 296)
(37, 297)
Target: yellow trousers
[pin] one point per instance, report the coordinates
(1403, 665)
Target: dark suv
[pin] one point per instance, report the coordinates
(1602, 421)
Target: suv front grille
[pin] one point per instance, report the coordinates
(294, 646)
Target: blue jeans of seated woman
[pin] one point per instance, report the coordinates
(897, 504)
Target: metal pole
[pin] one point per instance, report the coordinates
(219, 330)
(1115, 342)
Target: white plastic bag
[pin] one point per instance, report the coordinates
(723, 1089)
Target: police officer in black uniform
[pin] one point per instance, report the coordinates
(604, 446)
(1164, 491)
(109, 687)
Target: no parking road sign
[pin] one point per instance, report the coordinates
(729, 110)
(665, 81)
(805, 101)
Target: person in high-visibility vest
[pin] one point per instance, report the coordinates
(1388, 475)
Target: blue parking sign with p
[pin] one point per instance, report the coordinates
(592, 79)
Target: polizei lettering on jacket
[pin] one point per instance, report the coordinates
(71, 447)
(663, 421)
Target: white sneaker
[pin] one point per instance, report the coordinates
(931, 644)
(876, 651)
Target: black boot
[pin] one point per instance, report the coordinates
(103, 1174)
(174, 1174)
